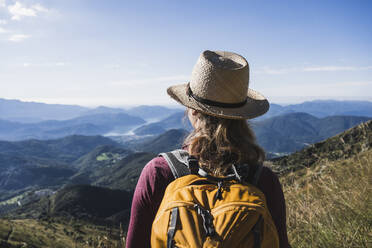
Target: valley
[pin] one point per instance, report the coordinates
(77, 189)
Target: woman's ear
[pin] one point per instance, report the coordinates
(193, 117)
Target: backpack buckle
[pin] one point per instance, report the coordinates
(238, 177)
(193, 164)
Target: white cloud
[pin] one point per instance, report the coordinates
(3, 22)
(3, 30)
(2, 3)
(18, 37)
(18, 10)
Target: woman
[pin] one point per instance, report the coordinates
(218, 102)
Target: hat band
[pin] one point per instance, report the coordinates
(214, 103)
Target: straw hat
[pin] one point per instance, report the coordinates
(219, 87)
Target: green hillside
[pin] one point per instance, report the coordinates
(65, 149)
(100, 157)
(34, 164)
(121, 174)
(125, 173)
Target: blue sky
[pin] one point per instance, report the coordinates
(120, 53)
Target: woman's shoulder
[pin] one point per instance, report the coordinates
(155, 176)
(157, 163)
(157, 167)
(267, 172)
(269, 181)
(268, 175)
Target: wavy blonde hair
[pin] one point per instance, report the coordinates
(217, 143)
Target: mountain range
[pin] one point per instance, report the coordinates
(109, 205)
(142, 121)
(20, 111)
(322, 108)
(291, 132)
(68, 188)
(34, 164)
(61, 153)
(96, 124)
(33, 112)
(278, 135)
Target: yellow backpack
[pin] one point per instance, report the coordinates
(199, 210)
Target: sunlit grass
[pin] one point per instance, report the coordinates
(330, 204)
(56, 234)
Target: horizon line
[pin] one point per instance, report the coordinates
(177, 105)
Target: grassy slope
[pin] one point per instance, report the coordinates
(330, 203)
(57, 234)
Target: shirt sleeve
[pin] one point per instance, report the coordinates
(148, 194)
(271, 187)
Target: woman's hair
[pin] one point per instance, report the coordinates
(217, 143)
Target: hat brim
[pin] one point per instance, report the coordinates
(255, 106)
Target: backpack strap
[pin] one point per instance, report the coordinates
(248, 173)
(257, 227)
(172, 227)
(257, 233)
(178, 162)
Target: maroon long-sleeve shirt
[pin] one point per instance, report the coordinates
(150, 189)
